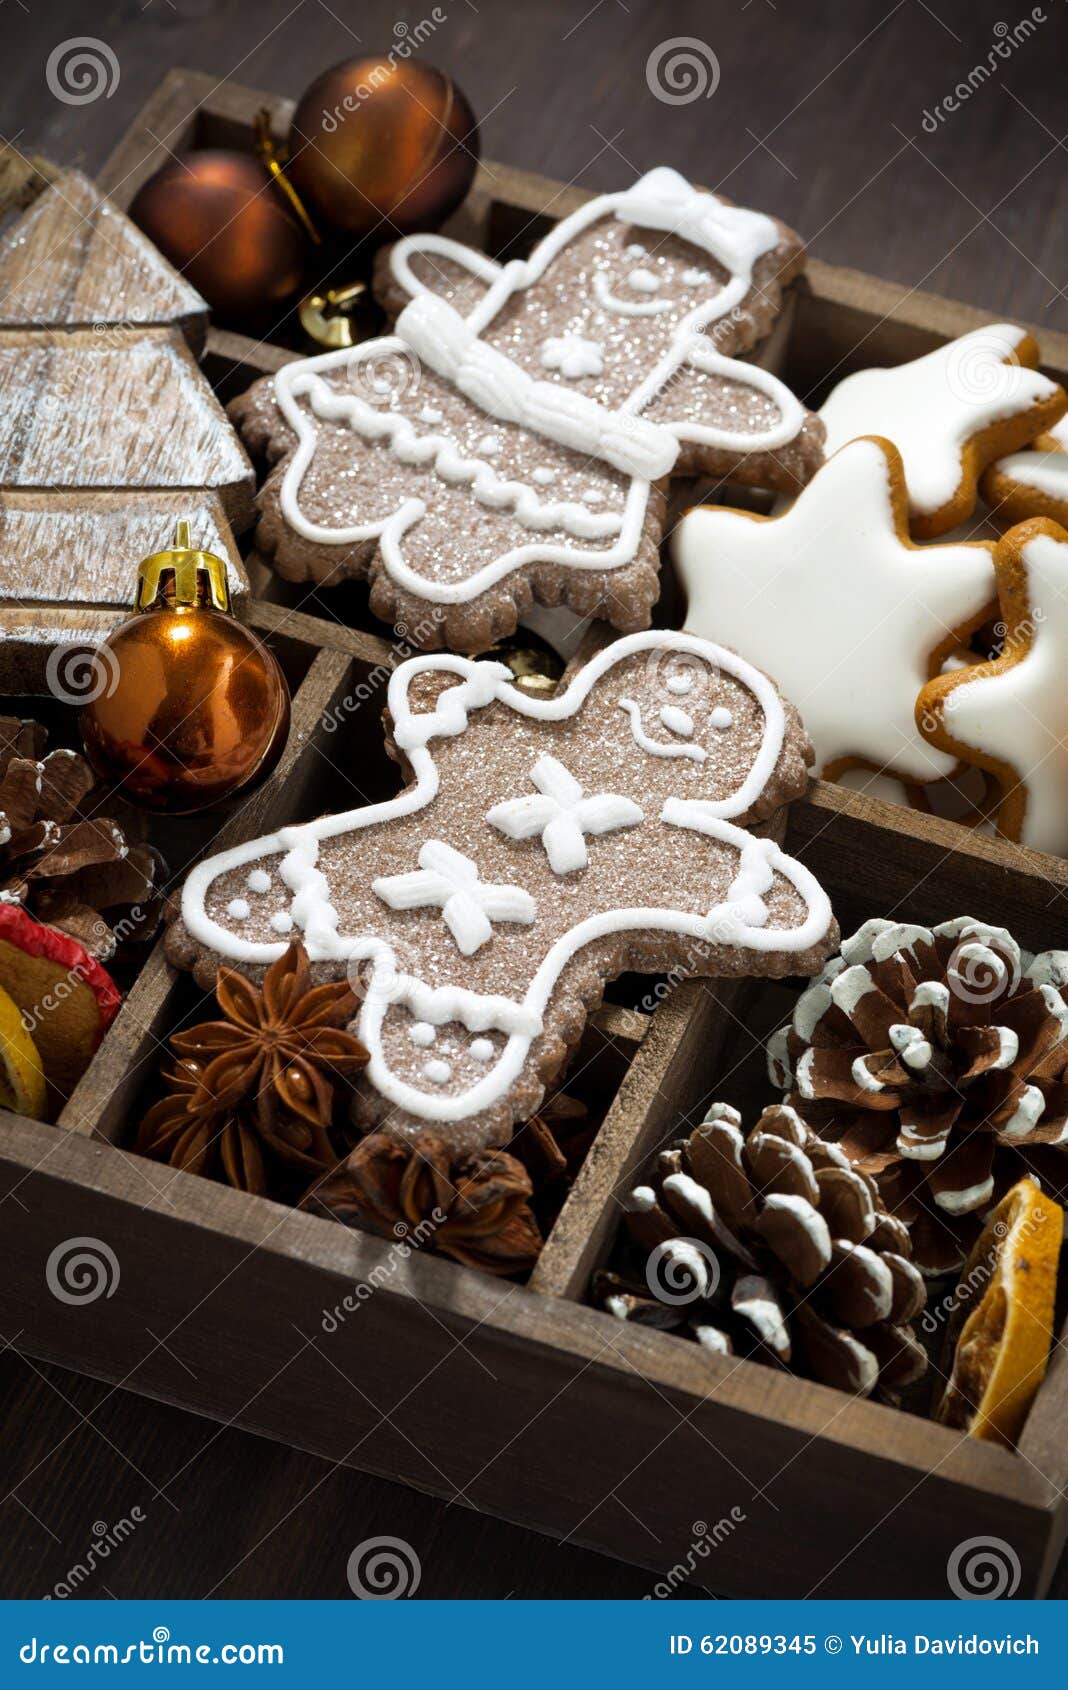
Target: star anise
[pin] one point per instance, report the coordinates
(474, 1209)
(263, 1079)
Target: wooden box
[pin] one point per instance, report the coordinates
(521, 1400)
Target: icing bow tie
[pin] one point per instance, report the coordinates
(662, 199)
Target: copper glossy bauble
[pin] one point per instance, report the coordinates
(192, 708)
(382, 146)
(220, 220)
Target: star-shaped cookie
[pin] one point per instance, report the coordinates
(835, 602)
(1010, 715)
(1033, 483)
(949, 414)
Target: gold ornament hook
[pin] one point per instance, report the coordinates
(196, 577)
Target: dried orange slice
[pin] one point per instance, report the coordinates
(22, 1081)
(1002, 1325)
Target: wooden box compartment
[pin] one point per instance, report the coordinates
(521, 1400)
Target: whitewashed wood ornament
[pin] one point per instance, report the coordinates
(111, 429)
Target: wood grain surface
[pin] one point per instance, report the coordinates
(817, 114)
(75, 260)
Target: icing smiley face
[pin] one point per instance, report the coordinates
(540, 844)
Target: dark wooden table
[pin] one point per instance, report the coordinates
(832, 116)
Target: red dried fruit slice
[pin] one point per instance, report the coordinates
(67, 1000)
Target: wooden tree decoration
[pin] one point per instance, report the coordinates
(111, 430)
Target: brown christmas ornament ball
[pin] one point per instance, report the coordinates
(190, 707)
(219, 219)
(382, 146)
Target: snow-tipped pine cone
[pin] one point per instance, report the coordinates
(936, 1059)
(771, 1246)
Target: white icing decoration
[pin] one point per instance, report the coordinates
(238, 909)
(489, 445)
(606, 297)
(657, 747)
(430, 414)
(561, 815)
(676, 721)
(931, 407)
(573, 355)
(282, 921)
(449, 881)
(1044, 471)
(437, 1071)
(680, 684)
(636, 250)
(878, 608)
(422, 1034)
(481, 1050)
(644, 281)
(543, 475)
(695, 278)
(1027, 1114)
(449, 344)
(258, 881)
(720, 717)
(593, 496)
(1019, 715)
(479, 684)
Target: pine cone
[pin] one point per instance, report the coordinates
(62, 856)
(475, 1210)
(772, 1246)
(936, 1058)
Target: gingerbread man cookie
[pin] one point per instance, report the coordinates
(489, 454)
(542, 847)
(1032, 483)
(949, 414)
(1010, 715)
(833, 599)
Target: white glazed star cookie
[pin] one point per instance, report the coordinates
(1010, 715)
(949, 414)
(1032, 483)
(836, 603)
(543, 847)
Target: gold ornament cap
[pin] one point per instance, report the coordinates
(199, 578)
